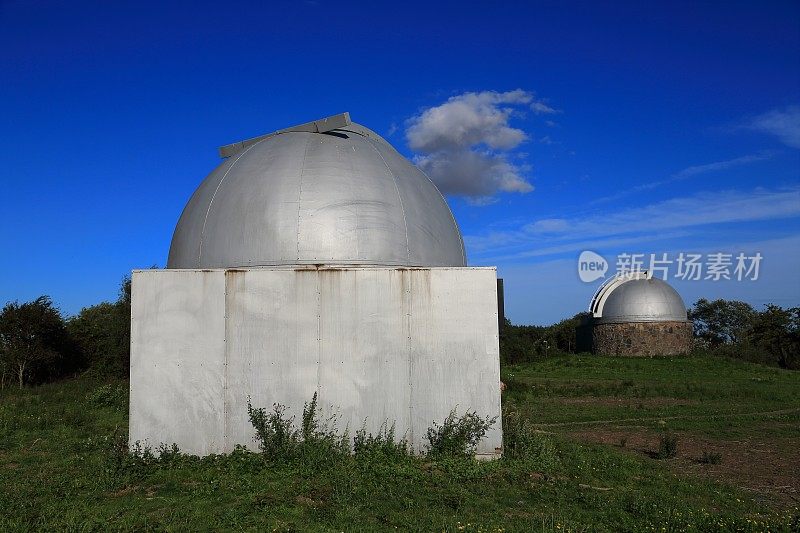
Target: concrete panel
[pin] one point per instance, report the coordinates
(364, 370)
(177, 352)
(401, 346)
(272, 347)
(454, 349)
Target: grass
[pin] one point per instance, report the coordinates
(59, 469)
(708, 395)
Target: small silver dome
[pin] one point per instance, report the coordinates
(638, 299)
(340, 196)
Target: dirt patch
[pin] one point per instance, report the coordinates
(123, 491)
(611, 401)
(768, 468)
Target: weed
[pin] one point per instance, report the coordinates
(275, 432)
(383, 443)
(711, 458)
(667, 446)
(313, 443)
(458, 436)
(108, 395)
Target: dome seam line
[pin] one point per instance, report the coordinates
(300, 195)
(211, 202)
(399, 196)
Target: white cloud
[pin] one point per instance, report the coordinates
(667, 219)
(465, 144)
(701, 209)
(540, 108)
(782, 123)
(473, 173)
(467, 120)
(719, 165)
(690, 172)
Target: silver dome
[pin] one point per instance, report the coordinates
(638, 299)
(338, 197)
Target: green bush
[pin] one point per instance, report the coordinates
(275, 433)
(279, 439)
(667, 446)
(381, 444)
(522, 442)
(711, 458)
(109, 395)
(457, 436)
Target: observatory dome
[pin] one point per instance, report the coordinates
(328, 192)
(638, 298)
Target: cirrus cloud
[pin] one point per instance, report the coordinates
(782, 123)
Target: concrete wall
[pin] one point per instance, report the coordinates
(642, 338)
(377, 344)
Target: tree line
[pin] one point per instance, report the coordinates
(38, 344)
(736, 329)
(728, 328)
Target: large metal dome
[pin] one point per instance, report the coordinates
(327, 192)
(637, 297)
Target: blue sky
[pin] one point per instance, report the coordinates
(660, 128)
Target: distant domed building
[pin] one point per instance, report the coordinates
(636, 315)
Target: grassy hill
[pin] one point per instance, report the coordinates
(601, 444)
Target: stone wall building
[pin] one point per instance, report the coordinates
(636, 315)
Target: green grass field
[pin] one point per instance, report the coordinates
(590, 462)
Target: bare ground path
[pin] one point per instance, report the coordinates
(779, 412)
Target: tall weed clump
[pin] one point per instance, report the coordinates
(383, 444)
(667, 446)
(458, 436)
(278, 438)
(521, 442)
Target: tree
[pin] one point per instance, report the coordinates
(776, 331)
(33, 340)
(103, 332)
(721, 321)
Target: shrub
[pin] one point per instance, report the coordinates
(458, 436)
(383, 443)
(522, 442)
(275, 432)
(320, 441)
(711, 458)
(124, 464)
(108, 395)
(667, 446)
(279, 439)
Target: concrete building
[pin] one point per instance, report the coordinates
(313, 259)
(636, 315)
